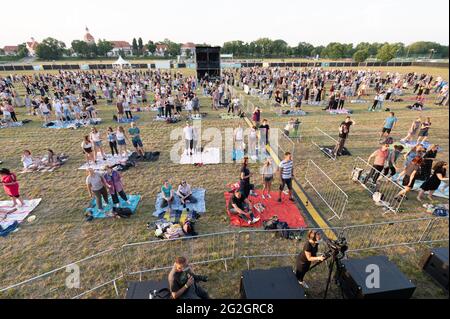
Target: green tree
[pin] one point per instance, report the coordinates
(140, 46)
(151, 47)
(103, 47)
(81, 48)
(50, 49)
(263, 46)
(135, 47)
(22, 51)
(279, 48)
(334, 50)
(173, 48)
(387, 52)
(303, 49)
(361, 55)
(318, 51)
(423, 48)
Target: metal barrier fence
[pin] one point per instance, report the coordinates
(103, 274)
(328, 191)
(285, 144)
(325, 143)
(375, 181)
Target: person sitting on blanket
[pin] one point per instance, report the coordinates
(53, 161)
(420, 101)
(185, 193)
(97, 187)
(115, 185)
(11, 186)
(30, 163)
(167, 194)
(241, 206)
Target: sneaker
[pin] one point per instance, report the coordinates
(304, 285)
(279, 200)
(255, 220)
(268, 196)
(263, 197)
(291, 199)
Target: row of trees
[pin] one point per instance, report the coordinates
(264, 47)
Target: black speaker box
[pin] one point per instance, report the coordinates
(393, 284)
(277, 283)
(142, 289)
(208, 61)
(435, 263)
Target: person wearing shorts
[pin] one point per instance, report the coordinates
(136, 139)
(267, 172)
(286, 175)
(424, 131)
(11, 186)
(389, 125)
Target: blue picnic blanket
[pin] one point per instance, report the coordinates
(411, 144)
(134, 200)
(125, 120)
(441, 192)
(239, 155)
(6, 231)
(199, 206)
(72, 124)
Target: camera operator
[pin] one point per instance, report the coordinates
(183, 284)
(308, 255)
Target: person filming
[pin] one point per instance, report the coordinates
(183, 283)
(307, 256)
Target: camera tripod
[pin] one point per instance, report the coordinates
(335, 259)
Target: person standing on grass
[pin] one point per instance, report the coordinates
(188, 133)
(388, 126)
(424, 131)
(264, 133)
(394, 155)
(45, 111)
(380, 156)
(344, 131)
(11, 186)
(122, 139)
(96, 139)
(97, 188)
(112, 139)
(413, 130)
(286, 175)
(135, 134)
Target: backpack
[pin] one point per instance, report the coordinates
(123, 212)
(271, 223)
(284, 230)
(115, 118)
(160, 294)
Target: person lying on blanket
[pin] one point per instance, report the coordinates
(167, 194)
(184, 192)
(242, 207)
(52, 160)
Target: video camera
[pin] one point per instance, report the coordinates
(337, 248)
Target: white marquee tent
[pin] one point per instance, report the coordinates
(121, 64)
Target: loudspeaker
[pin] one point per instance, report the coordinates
(208, 61)
(373, 277)
(143, 289)
(277, 283)
(435, 263)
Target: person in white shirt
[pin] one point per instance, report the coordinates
(188, 138)
(29, 163)
(45, 112)
(58, 110)
(184, 192)
(239, 138)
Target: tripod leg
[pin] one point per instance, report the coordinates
(330, 273)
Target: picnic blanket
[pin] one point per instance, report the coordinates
(110, 161)
(12, 220)
(125, 120)
(11, 124)
(315, 102)
(72, 124)
(208, 156)
(328, 151)
(46, 169)
(226, 116)
(198, 207)
(240, 154)
(441, 192)
(178, 216)
(359, 101)
(287, 211)
(340, 112)
(291, 113)
(134, 202)
(409, 145)
(148, 157)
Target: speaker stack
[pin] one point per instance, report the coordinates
(435, 263)
(374, 277)
(208, 61)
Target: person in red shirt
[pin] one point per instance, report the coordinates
(380, 156)
(11, 186)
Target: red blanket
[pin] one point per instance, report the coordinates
(286, 211)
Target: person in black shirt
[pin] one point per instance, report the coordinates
(308, 255)
(344, 130)
(183, 284)
(244, 182)
(264, 133)
(242, 207)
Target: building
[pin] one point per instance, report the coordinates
(121, 47)
(188, 49)
(88, 38)
(11, 50)
(161, 49)
(32, 46)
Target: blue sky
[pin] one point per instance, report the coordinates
(317, 22)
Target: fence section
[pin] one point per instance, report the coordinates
(324, 142)
(328, 191)
(375, 182)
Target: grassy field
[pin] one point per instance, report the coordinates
(60, 235)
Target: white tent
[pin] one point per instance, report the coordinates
(121, 64)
